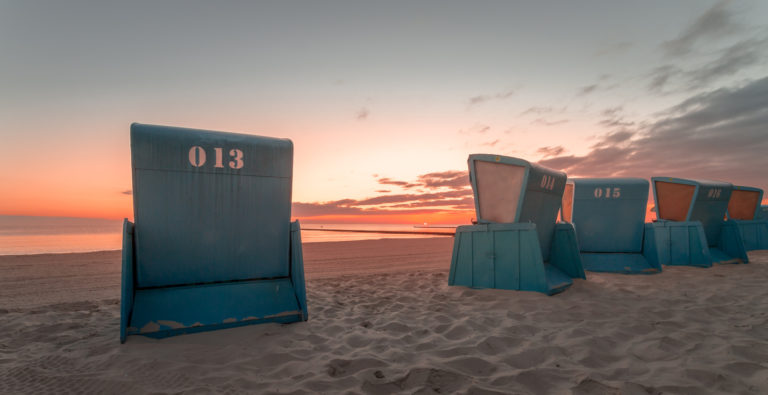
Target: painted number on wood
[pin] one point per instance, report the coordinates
(714, 193)
(548, 182)
(608, 193)
(197, 157)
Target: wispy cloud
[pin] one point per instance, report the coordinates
(539, 110)
(447, 191)
(401, 184)
(476, 129)
(714, 23)
(127, 192)
(362, 114)
(479, 99)
(614, 48)
(551, 151)
(547, 122)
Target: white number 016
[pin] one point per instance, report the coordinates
(197, 157)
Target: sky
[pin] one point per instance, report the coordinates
(384, 101)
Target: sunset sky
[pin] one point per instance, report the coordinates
(384, 101)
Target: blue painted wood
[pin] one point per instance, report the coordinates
(732, 244)
(565, 251)
(539, 198)
(213, 245)
(195, 224)
(297, 269)
(508, 256)
(708, 206)
(507, 249)
(482, 260)
(680, 243)
(754, 231)
(754, 234)
(609, 213)
(609, 217)
(611, 262)
(762, 213)
(162, 312)
(128, 279)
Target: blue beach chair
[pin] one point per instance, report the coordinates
(762, 213)
(609, 217)
(690, 229)
(744, 208)
(213, 246)
(517, 243)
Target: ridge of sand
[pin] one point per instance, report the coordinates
(401, 329)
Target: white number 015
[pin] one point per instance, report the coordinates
(197, 157)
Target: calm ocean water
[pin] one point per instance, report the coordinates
(39, 235)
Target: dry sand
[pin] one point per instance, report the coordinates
(383, 320)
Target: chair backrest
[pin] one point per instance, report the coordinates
(679, 199)
(609, 213)
(510, 190)
(209, 206)
(744, 203)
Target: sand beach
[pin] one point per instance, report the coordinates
(383, 320)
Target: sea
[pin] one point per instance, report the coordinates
(23, 235)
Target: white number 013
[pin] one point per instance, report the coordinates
(197, 157)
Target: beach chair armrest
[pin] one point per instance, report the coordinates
(297, 268)
(128, 278)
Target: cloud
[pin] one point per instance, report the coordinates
(613, 118)
(401, 184)
(730, 60)
(453, 179)
(661, 76)
(477, 129)
(383, 191)
(362, 114)
(719, 134)
(539, 110)
(546, 122)
(448, 191)
(551, 151)
(585, 90)
(127, 192)
(725, 62)
(480, 99)
(714, 23)
(491, 143)
(614, 48)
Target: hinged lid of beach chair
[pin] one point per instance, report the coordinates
(212, 231)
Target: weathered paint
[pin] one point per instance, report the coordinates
(609, 217)
(213, 245)
(528, 250)
(706, 203)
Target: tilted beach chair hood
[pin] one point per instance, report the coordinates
(517, 243)
(690, 229)
(609, 217)
(212, 245)
(744, 208)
